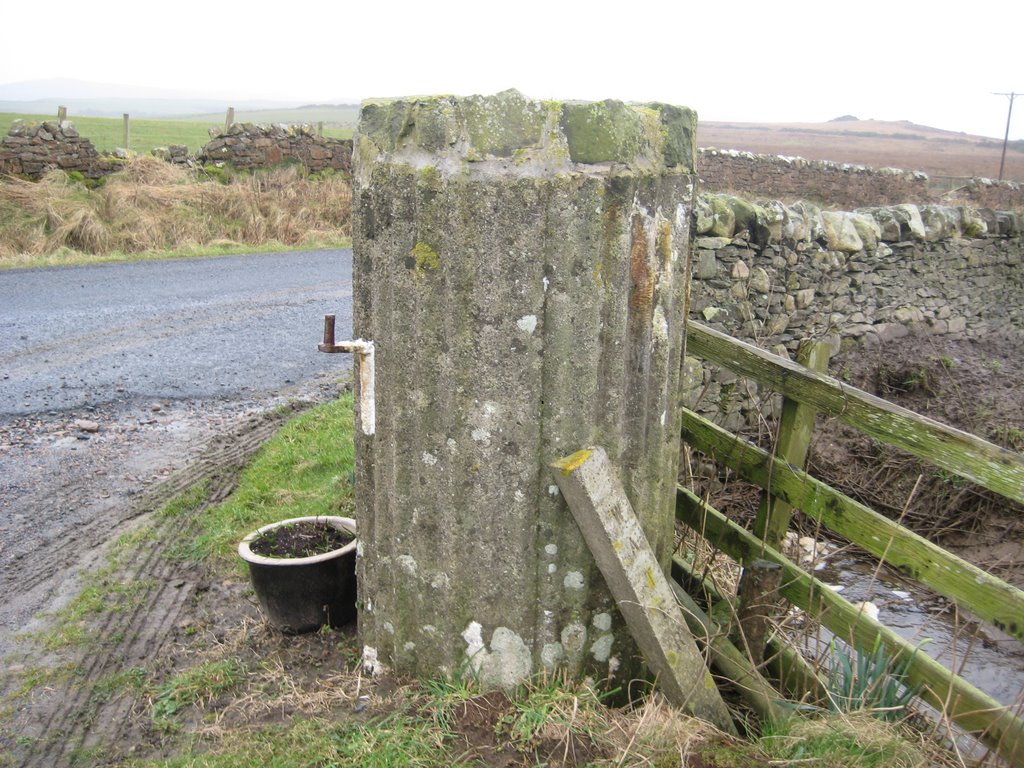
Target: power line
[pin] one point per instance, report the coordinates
(1006, 137)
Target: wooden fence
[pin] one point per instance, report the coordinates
(786, 486)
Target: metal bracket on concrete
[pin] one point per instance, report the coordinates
(363, 350)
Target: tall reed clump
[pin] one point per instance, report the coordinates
(153, 206)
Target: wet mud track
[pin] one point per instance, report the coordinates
(120, 387)
(73, 718)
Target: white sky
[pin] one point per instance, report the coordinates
(935, 63)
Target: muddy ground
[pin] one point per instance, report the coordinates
(976, 386)
(80, 707)
(84, 478)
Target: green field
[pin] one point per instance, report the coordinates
(336, 119)
(107, 133)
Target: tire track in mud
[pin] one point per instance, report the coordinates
(76, 720)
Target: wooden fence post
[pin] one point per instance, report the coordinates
(127, 136)
(62, 114)
(759, 602)
(320, 129)
(795, 430)
(229, 118)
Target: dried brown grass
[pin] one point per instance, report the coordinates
(154, 206)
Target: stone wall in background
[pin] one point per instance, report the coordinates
(30, 149)
(840, 185)
(247, 146)
(986, 193)
(775, 274)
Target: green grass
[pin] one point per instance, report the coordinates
(403, 740)
(107, 133)
(66, 257)
(305, 469)
(188, 501)
(196, 685)
(838, 742)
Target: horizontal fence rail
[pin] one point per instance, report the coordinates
(786, 485)
(970, 708)
(989, 597)
(980, 461)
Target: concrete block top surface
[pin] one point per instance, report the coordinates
(525, 136)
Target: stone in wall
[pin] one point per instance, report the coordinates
(31, 149)
(247, 146)
(918, 270)
(175, 154)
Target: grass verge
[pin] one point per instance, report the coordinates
(307, 468)
(68, 257)
(151, 209)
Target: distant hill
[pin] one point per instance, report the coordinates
(875, 143)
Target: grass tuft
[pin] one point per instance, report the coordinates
(837, 742)
(197, 685)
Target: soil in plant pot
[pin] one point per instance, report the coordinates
(304, 539)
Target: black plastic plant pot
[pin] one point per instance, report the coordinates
(302, 594)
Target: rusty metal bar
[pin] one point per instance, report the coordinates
(365, 365)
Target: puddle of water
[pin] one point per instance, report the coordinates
(989, 659)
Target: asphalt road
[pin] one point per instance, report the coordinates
(115, 378)
(197, 328)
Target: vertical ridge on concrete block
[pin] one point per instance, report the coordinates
(519, 301)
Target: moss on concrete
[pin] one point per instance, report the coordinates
(500, 125)
(425, 258)
(679, 132)
(602, 131)
(510, 125)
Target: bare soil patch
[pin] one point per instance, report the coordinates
(303, 539)
(974, 385)
(874, 143)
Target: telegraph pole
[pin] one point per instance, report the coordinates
(1006, 137)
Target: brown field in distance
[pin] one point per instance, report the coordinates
(874, 143)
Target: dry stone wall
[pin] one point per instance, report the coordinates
(247, 146)
(775, 274)
(986, 193)
(30, 149)
(841, 185)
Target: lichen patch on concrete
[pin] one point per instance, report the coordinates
(601, 648)
(506, 664)
(573, 580)
(527, 324)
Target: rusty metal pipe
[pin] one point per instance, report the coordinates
(365, 365)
